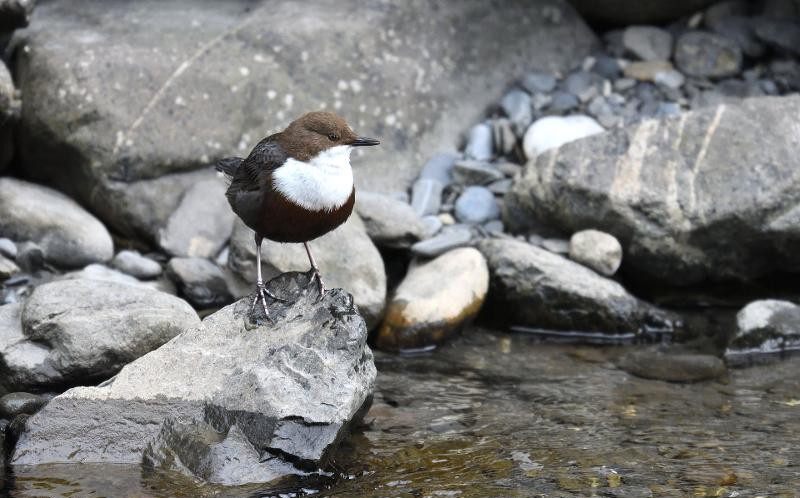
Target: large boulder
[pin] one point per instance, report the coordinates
(276, 397)
(120, 94)
(535, 288)
(347, 258)
(713, 194)
(68, 235)
(78, 331)
(765, 329)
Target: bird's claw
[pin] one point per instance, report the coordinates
(316, 276)
(261, 295)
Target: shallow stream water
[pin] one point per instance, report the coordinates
(500, 415)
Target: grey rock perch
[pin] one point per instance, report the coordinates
(229, 401)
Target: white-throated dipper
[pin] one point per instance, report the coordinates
(295, 186)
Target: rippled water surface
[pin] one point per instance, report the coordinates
(498, 415)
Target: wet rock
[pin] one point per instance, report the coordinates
(201, 224)
(664, 188)
(670, 79)
(648, 43)
(516, 104)
(434, 300)
(582, 84)
(262, 392)
(137, 90)
(534, 287)
(500, 187)
(7, 268)
(8, 248)
(439, 167)
(476, 205)
(76, 331)
(389, 222)
(9, 112)
(737, 27)
(672, 366)
(552, 132)
(200, 281)
(136, 265)
(607, 67)
(449, 237)
(14, 404)
(764, 328)
(68, 235)
(707, 55)
(426, 196)
(479, 143)
(556, 246)
(647, 70)
(535, 82)
(598, 250)
(469, 172)
(347, 258)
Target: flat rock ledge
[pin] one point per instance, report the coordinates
(229, 401)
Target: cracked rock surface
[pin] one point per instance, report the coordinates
(277, 396)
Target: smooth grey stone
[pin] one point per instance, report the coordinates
(467, 172)
(764, 329)
(607, 67)
(8, 248)
(426, 196)
(556, 246)
(259, 385)
(672, 366)
(670, 79)
(754, 131)
(533, 287)
(535, 239)
(141, 143)
(136, 265)
(479, 143)
(346, 256)
(517, 105)
(624, 84)
(599, 106)
(450, 237)
(563, 102)
(648, 43)
(494, 227)
(666, 109)
(508, 168)
(7, 268)
(432, 225)
(741, 30)
(200, 281)
(439, 167)
(500, 187)
(579, 82)
(80, 331)
(597, 250)
(10, 109)
(201, 224)
(720, 11)
(476, 205)
(19, 403)
(68, 235)
(389, 222)
(708, 55)
(535, 82)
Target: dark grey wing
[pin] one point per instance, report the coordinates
(249, 181)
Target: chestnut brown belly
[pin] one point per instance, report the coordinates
(285, 221)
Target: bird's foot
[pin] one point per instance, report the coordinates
(261, 294)
(314, 276)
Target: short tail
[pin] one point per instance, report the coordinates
(228, 165)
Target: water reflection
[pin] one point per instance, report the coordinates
(497, 415)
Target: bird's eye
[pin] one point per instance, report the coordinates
(333, 137)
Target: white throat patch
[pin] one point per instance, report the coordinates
(322, 184)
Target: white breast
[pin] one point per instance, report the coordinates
(322, 184)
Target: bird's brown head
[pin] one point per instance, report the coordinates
(314, 132)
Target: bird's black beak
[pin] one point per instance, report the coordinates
(364, 141)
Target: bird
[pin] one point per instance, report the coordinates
(295, 186)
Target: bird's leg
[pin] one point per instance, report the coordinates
(315, 274)
(261, 291)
